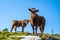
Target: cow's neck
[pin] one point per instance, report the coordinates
(32, 15)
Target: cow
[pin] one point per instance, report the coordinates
(18, 23)
(36, 20)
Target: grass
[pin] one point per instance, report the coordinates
(5, 35)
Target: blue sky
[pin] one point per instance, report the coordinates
(18, 10)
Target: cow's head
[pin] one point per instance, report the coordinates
(33, 10)
(26, 21)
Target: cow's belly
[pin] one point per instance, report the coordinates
(19, 25)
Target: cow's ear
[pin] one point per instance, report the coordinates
(37, 10)
(29, 9)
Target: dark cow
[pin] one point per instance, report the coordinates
(36, 20)
(18, 23)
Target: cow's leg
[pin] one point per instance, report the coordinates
(12, 28)
(15, 28)
(36, 29)
(32, 28)
(42, 29)
(32, 24)
(22, 28)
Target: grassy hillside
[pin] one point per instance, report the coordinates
(11, 35)
(5, 35)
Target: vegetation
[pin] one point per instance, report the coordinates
(5, 35)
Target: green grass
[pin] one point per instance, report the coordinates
(5, 35)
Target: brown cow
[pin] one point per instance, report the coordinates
(18, 23)
(36, 20)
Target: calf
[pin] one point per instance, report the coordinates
(18, 23)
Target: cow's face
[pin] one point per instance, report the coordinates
(33, 10)
(26, 21)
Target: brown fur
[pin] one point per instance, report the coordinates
(36, 20)
(18, 23)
